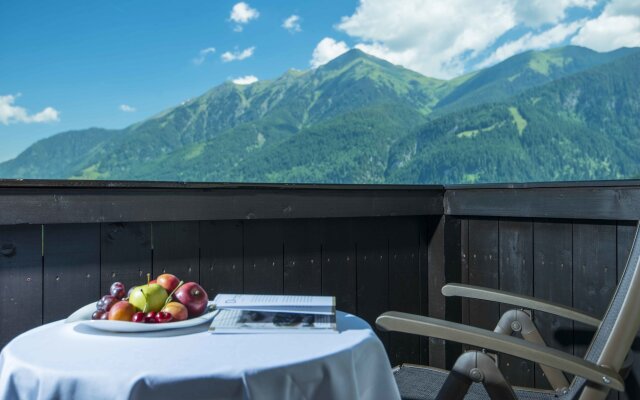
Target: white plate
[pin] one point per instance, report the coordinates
(83, 317)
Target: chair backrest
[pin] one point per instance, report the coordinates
(620, 324)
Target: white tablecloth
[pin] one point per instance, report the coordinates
(71, 361)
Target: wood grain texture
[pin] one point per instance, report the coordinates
(339, 263)
(553, 281)
(516, 276)
(221, 257)
(302, 257)
(20, 280)
(484, 270)
(125, 254)
(176, 249)
(263, 257)
(71, 268)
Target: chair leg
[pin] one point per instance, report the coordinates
(475, 366)
(520, 321)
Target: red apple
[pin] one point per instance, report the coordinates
(192, 296)
(122, 311)
(178, 310)
(168, 281)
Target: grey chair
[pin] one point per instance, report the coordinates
(475, 374)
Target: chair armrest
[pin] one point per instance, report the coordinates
(425, 326)
(500, 296)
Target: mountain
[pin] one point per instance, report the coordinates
(581, 127)
(565, 113)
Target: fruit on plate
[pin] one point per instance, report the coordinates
(163, 317)
(149, 297)
(106, 302)
(122, 311)
(168, 281)
(177, 310)
(117, 290)
(138, 317)
(192, 296)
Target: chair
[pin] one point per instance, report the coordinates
(475, 374)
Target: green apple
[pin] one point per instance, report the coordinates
(149, 297)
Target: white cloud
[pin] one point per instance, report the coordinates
(127, 108)
(539, 12)
(326, 50)
(202, 55)
(245, 80)
(229, 56)
(11, 114)
(440, 38)
(530, 41)
(242, 13)
(617, 26)
(292, 24)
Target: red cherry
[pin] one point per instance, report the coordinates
(163, 317)
(150, 317)
(138, 317)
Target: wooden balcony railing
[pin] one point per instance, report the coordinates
(376, 248)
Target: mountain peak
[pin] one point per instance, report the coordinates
(353, 56)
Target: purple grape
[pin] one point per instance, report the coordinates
(97, 314)
(117, 290)
(106, 302)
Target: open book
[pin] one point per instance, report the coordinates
(247, 313)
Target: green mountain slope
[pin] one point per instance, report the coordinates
(524, 71)
(584, 126)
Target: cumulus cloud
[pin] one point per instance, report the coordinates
(229, 56)
(241, 14)
(530, 41)
(617, 26)
(326, 50)
(202, 55)
(292, 24)
(245, 80)
(442, 39)
(11, 114)
(127, 108)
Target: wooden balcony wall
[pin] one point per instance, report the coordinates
(375, 248)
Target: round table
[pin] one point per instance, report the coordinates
(65, 361)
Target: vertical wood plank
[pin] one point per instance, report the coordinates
(425, 233)
(176, 250)
(263, 270)
(484, 270)
(553, 277)
(516, 276)
(125, 254)
(625, 234)
(594, 275)
(372, 271)
(71, 268)
(20, 280)
(302, 257)
(339, 263)
(404, 285)
(221, 257)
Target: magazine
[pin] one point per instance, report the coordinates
(323, 305)
(248, 321)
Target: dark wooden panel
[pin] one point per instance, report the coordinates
(626, 233)
(125, 254)
(425, 236)
(553, 277)
(302, 257)
(594, 275)
(71, 268)
(339, 263)
(516, 276)
(372, 271)
(484, 270)
(118, 204)
(176, 250)
(20, 280)
(404, 285)
(444, 267)
(608, 203)
(263, 247)
(221, 257)
(464, 265)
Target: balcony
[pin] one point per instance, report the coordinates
(375, 248)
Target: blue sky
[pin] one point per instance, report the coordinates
(76, 64)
